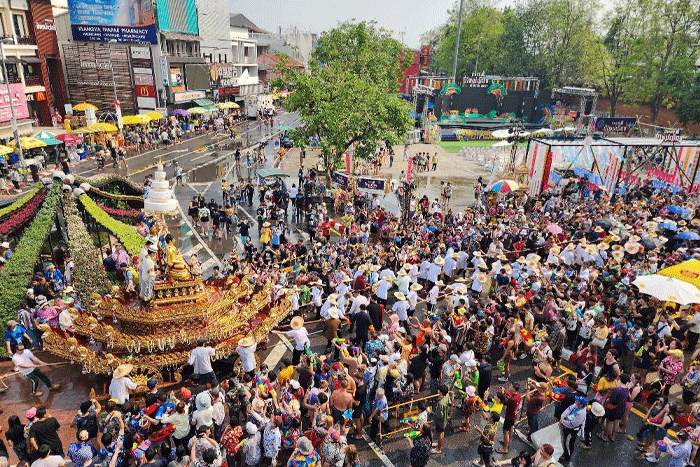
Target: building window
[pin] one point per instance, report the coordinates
(225, 59)
(245, 51)
(18, 21)
(2, 25)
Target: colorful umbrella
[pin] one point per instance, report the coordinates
(136, 119)
(555, 229)
(180, 113)
(83, 130)
(284, 128)
(197, 110)
(229, 105)
(504, 186)
(155, 115)
(29, 143)
(103, 127)
(51, 141)
(44, 135)
(668, 289)
(5, 150)
(68, 138)
(688, 235)
(83, 105)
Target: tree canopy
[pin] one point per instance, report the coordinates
(348, 98)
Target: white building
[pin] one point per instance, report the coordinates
(244, 58)
(215, 45)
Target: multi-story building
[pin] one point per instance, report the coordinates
(239, 77)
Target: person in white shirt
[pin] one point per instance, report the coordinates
(401, 309)
(316, 292)
(432, 298)
(121, 383)
(200, 359)
(450, 264)
(382, 291)
(434, 270)
(423, 271)
(300, 336)
(403, 282)
(567, 256)
(47, 460)
(27, 364)
(412, 298)
(246, 351)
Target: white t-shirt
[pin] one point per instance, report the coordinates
(25, 358)
(301, 338)
(119, 389)
(200, 359)
(203, 417)
(49, 461)
(247, 355)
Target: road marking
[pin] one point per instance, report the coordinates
(196, 234)
(208, 264)
(193, 250)
(377, 450)
(278, 351)
(202, 157)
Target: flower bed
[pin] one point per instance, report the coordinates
(126, 234)
(88, 273)
(126, 213)
(21, 216)
(106, 179)
(15, 276)
(20, 202)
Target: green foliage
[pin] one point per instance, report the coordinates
(15, 276)
(689, 107)
(20, 202)
(126, 234)
(348, 97)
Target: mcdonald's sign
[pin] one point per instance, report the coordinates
(145, 91)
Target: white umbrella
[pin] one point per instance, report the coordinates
(501, 144)
(500, 134)
(668, 289)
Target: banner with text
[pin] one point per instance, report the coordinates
(340, 179)
(105, 20)
(371, 185)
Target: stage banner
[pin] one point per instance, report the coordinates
(537, 162)
(615, 125)
(347, 163)
(340, 179)
(371, 185)
(687, 161)
(106, 20)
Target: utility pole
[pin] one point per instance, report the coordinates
(459, 33)
(478, 47)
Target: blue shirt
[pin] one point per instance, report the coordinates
(15, 337)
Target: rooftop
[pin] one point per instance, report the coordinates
(239, 20)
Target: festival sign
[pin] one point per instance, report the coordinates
(340, 179)
(615, 125)
(223, 75)
(371, 185)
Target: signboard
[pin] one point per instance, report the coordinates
(185, 96)
(672, 135)
(142, 53)
(371, 185)
(164, 69)
(145, 91)
(222, 75)
(19, 102)
(409, 170)
(177, 83)
(476, 80)
(615, 125)
(130, 21)
(147, 103)
(340, 179)
(348, 164)
(143, 80)
(47, 25)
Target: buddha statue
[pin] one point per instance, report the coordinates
(177, 269)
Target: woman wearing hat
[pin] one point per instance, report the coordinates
(15, 334)
(304, 455)
(121, 383)
(300, 336)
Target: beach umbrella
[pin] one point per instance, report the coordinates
(555, 229)
(688, 235)
(229, 105)
(29, 143)
(136, 119)
(605, 223)
(83, 105)
(50, 141)
(83, 130)
(101, 127)
(5, 150)
(677, 210)
(500, 134)
(154, 115)
(668, 289)
(44, 135)
(504, 186)
(197, 110)
(668, 225)
(284, 128)
(68, 138)
(179, 113)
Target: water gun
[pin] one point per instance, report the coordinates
(338, 340)
(527, 338)
(496, 407)
(458, 379)
(347, 415)
(240, 445)
(412, 419)
(557, 381)
(411, 434)
(259, 383)
(481, 402)
(655, 420)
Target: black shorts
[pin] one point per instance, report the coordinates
(508, 425)
(204, 219)
(439, 428)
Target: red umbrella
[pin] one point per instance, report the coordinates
(555, 229)
(68, 138)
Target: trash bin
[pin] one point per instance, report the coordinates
(35, 172)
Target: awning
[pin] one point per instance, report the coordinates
(203, 102)
(180, 36)
(31, 60)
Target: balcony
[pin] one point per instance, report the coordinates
(25, 40)
(33, 80)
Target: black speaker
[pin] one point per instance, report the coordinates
(589, 107)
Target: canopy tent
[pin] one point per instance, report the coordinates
(29, 143)
(687, 271)
(614, 163)
(83, 105)
(5, 150)
(136, 119)
(154, 115)
(83, 130)
(44, 135)
(229, 105)
(102, 127)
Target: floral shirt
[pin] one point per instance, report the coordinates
(489, 435)
(272, 440)
(80, 453)
(421, 451)
(674, 367)
(230, 440)
(300, 460)
(332, 454)
(251, 450)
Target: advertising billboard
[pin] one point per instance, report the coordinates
(19, 102)
(129, 21)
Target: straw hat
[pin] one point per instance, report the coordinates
(333, 312)
(454, 256)
(318, 282)
(258, 405)
(477, 254)
(570, 247)
(482, 277)
(297, 322)
(508, 269)
(5, 245)
(387, 277)
(634, 239)
(628, 227)
(617, 248)
(347, 278)
(266, 224)
(399, 296)
(618, 255)
(555, 250)
(682, 223)
(591, 249)
(598, 229)
(615, 238)
(521, 260)
(402, 272)
(603, 246)
(374, 268)
(532, 264)
(462, 289)
(439, 283)
(246, 342)
(535, 258)
(416, 287)
(502, 257)
(695, 222)
(122, 370)
(632, 248)
(597, 409)
(439, 261)
(362, 268)
(663, 239)
(41, 300)
(461, 280)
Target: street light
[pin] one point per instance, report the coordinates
(117, 106)
(15, 132)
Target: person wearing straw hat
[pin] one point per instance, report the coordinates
(300, 336)
(401, 309)
(479, 281)
(121, 384)
(200, 360)
(434, 271)
(304, 455)
(246, 351)
(382, 291)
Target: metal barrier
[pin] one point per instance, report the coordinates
(399, 415)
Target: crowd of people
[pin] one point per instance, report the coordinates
(483, 317)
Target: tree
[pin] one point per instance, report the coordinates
(349, 98)
(688, 110)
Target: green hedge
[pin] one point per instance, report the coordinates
(15, 276)
(20, 202)
(127, 235)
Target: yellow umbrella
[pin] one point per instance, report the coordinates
(29, 143)
(229, 105)
(197, 110)
(154, 115)
(103, 127)
(83, 130)
(136, 119)
(5, 150)
(687, 271)
(83, 105)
